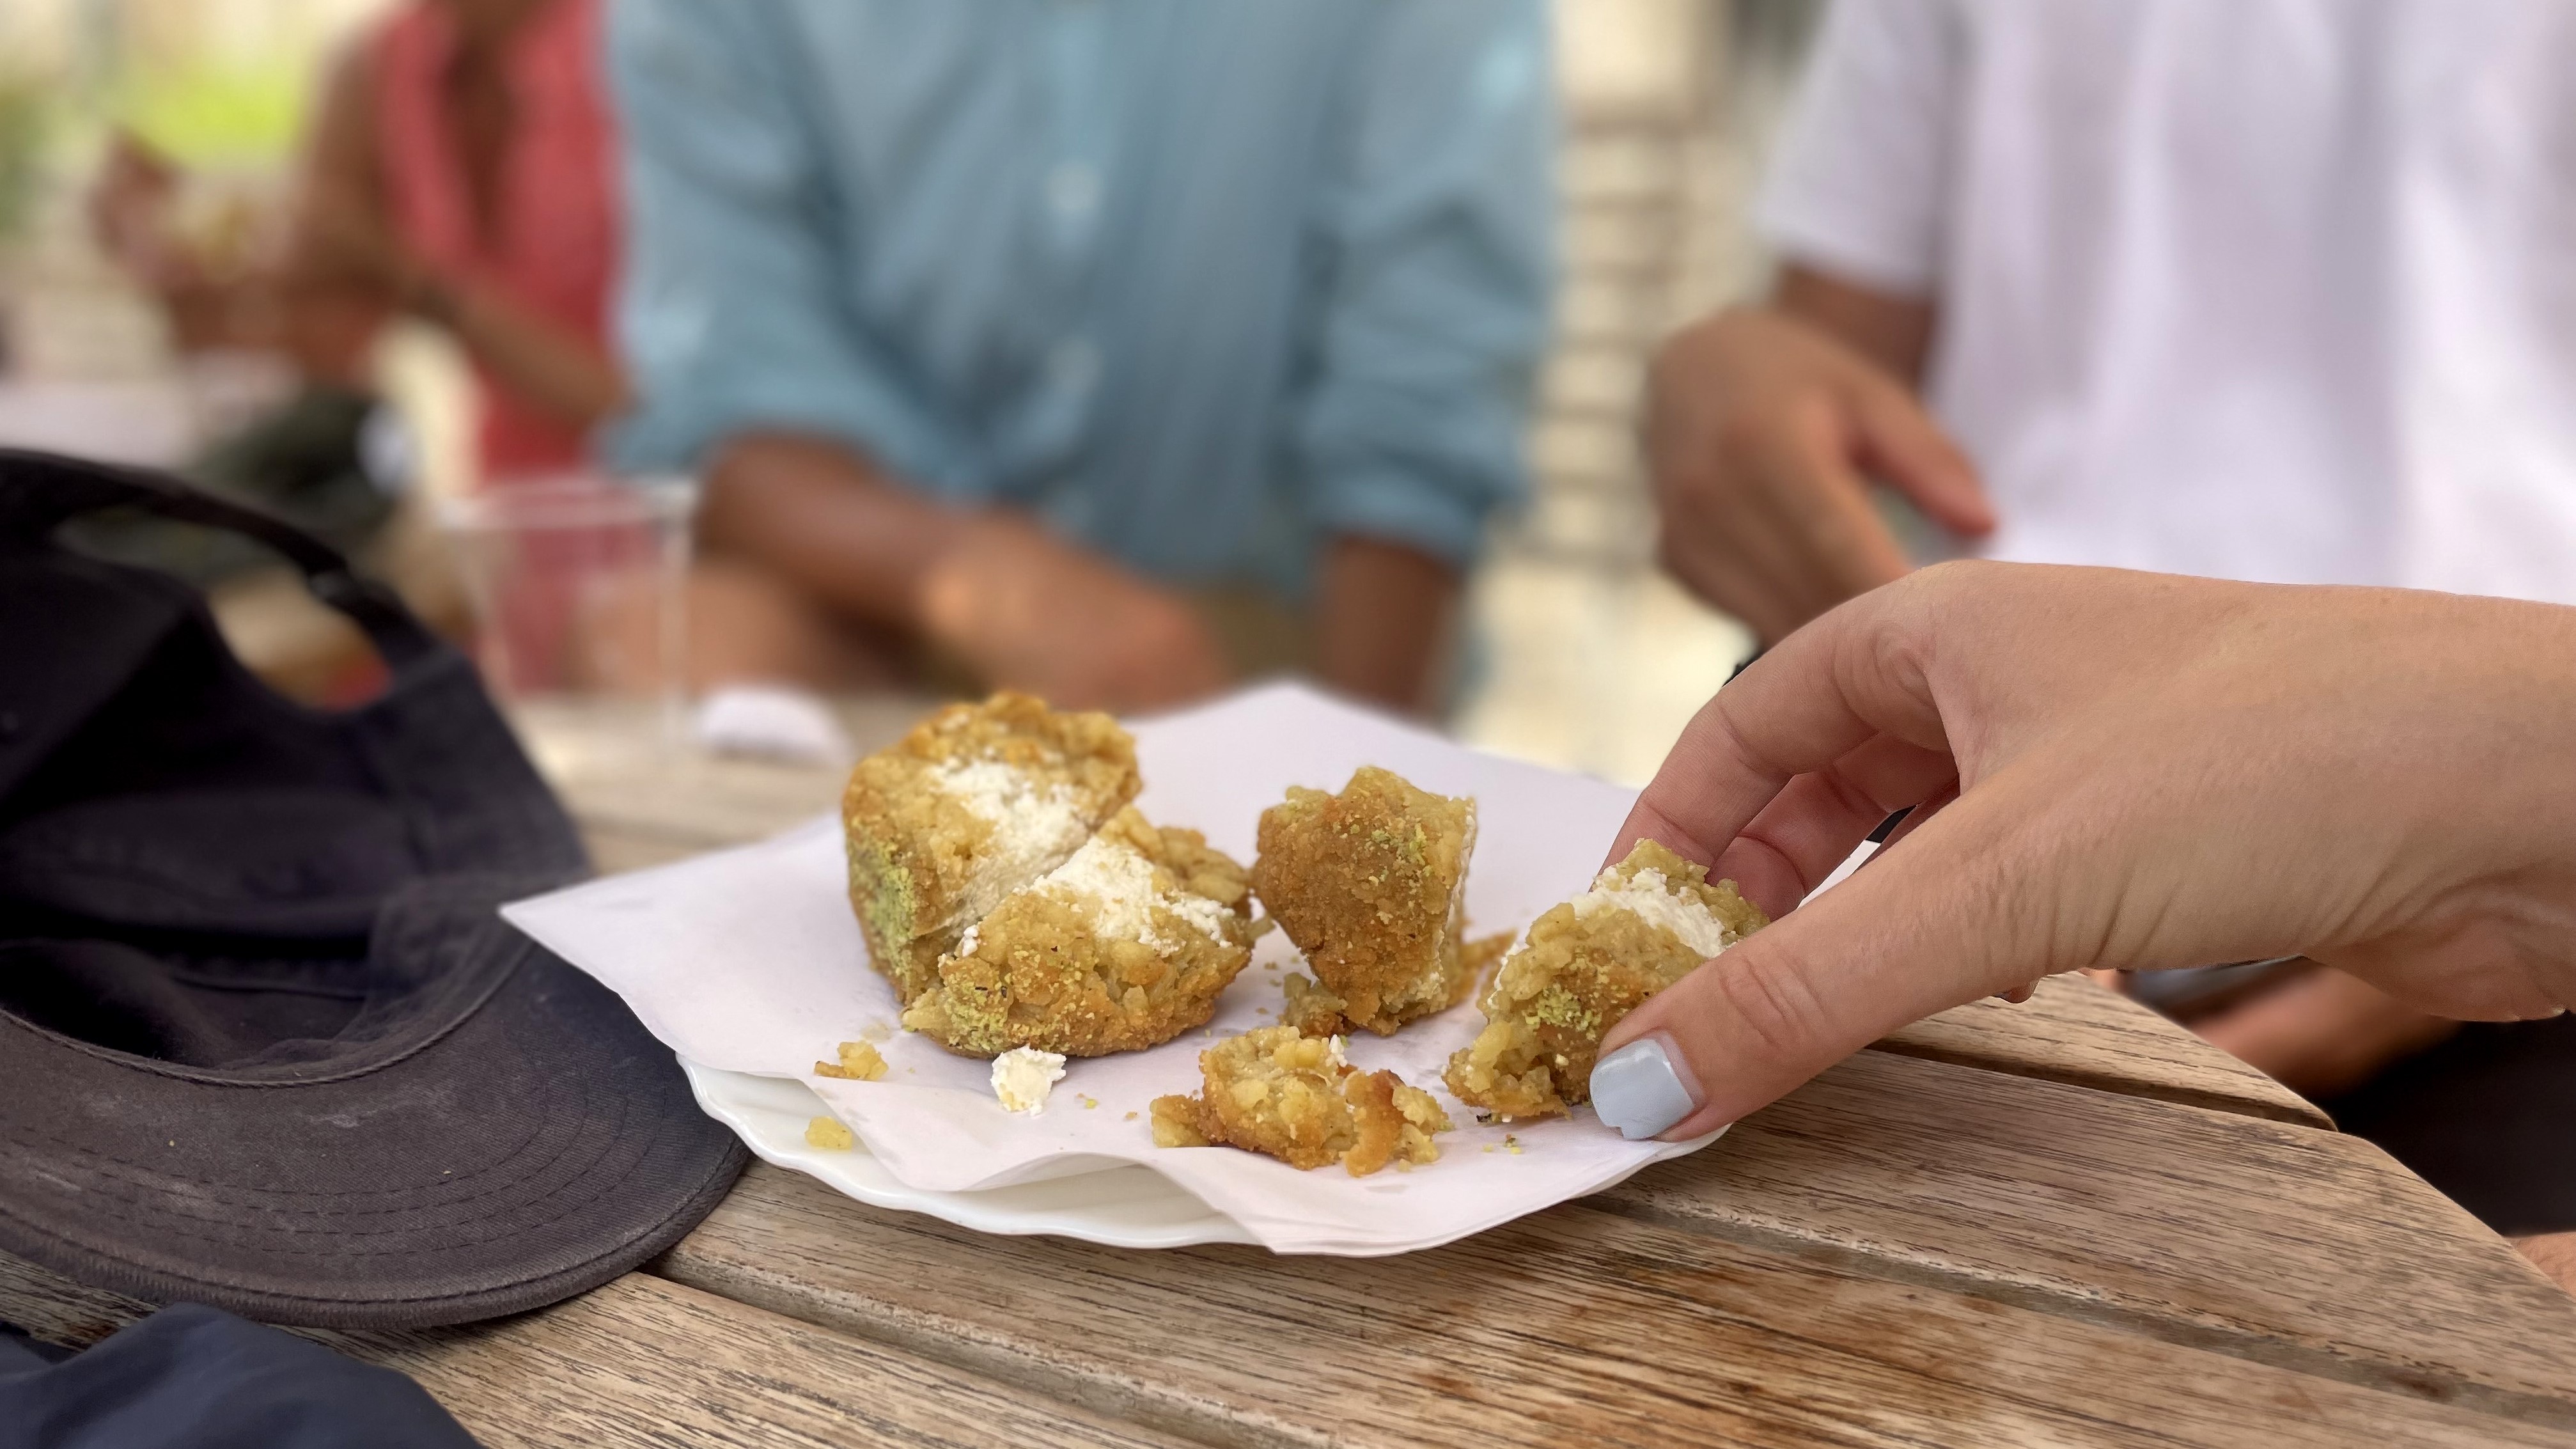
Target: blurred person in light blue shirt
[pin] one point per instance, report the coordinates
(1106, 348)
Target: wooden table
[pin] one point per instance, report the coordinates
(2065, 1222)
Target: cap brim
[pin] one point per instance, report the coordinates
(536, 1146)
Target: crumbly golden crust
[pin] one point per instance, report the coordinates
(1312, 1008)
(1294, 1098)
(924, 862)
(1060, 969)
(1371, 884)
(1586, 964)
(859, 1062)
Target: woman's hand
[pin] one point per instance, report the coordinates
(2119, 770)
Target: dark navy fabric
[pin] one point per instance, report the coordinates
(191, 1377)
(265, 1043)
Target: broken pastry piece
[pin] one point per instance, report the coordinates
(1315, 1011)
(1371, 884)
(1126, 945)
(1645, 924)
(1311, 1009)
(976, 803)
(1295, 1098)
(859, 1062)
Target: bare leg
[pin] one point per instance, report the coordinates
(2322, 1033)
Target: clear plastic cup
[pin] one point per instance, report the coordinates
(579, 588)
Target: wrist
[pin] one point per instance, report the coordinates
(1385, 612)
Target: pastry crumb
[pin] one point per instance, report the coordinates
(828, 1134)
(1022, 1078)
(859, 1062)
(1311, 1008)
(1297, 1098)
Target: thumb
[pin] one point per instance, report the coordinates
(1903, 447)
(1895, 943)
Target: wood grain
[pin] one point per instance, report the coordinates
(2077, 1032)
(647, 1362)
(2273, 1242)
(1575, 1327)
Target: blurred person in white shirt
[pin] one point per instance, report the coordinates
(2276, 290)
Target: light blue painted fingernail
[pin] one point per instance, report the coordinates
(1639, 1090)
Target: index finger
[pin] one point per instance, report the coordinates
(1822, 501)
(1850, 676)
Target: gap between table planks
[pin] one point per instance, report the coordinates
(637, 809)
(645, 1363)
(1575, 1326)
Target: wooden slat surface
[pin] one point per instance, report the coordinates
(1575, 1327)
(2280, 1243)
(637, 812)
(2077, 1032)
(2067, 1221)
(644, 1361)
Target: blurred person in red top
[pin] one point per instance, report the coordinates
(461, 170)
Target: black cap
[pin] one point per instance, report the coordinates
(264, 1042)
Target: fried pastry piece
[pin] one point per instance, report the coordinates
(977, 802)
(859, 1062)
(1646, 922)
(1315, 1011)
(1295, 1098)
(1371, 884)
(1124, 946)
(1311, 1009)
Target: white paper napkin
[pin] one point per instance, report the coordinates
(749, 960)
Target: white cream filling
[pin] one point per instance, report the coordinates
(1033, 829)
(1023, 1076)
(1119, 884)
(1648, 896)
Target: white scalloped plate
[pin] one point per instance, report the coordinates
(1122, 1207)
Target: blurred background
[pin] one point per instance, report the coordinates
(1587, 657)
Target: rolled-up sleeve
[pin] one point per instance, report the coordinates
(733, 313)
(1856, 186)
(1440, 255)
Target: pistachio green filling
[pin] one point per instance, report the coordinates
(884, 894)
(1557, 1007)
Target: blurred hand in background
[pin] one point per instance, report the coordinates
(1767, 428)
(1026, 609)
